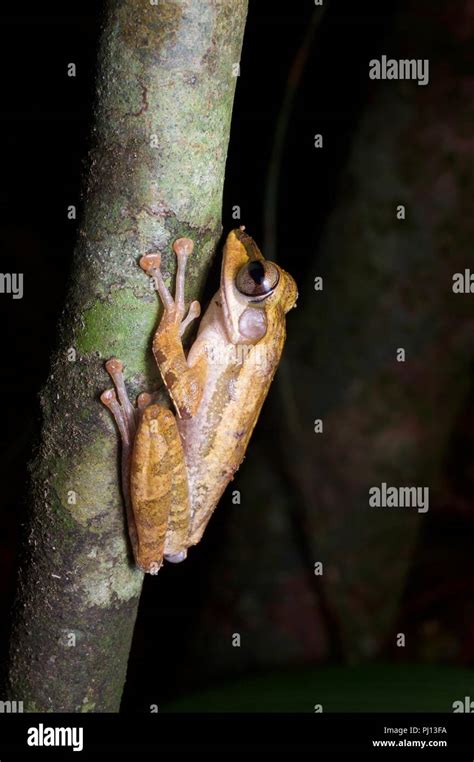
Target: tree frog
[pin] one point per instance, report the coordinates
(175, 467)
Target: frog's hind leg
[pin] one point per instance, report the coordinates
(154, 478)
(117, 401)
(159, 490)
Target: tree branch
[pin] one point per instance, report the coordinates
(161, 128)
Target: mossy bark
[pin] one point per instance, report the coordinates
(161, 127)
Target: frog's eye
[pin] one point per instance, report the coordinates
(257, 278)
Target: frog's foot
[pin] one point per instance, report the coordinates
(118, 402)
(154, 568)
(174, 308)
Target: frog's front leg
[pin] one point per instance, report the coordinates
(183, 382)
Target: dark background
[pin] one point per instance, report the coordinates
(44, 125)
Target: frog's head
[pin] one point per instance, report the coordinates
(256, 293)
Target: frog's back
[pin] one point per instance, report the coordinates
(216, 438)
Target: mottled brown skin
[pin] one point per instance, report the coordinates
(175, 469)
(158, 488)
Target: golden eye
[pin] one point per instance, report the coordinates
(257, 278)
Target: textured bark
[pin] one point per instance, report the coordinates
(165, 92)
